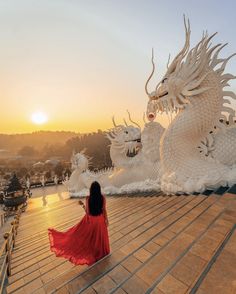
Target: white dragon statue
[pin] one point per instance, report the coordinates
(133, 162)
(125, 144)
(194, 88)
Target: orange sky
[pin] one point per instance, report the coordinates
(81, 62)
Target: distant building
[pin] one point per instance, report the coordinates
(38, 164)
(53, 162)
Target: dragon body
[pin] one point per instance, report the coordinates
(220, 145)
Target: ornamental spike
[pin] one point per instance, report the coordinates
(125, 122)
(113, 120)
(133, 121)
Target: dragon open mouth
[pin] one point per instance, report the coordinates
(132, 153)
(168, 104)
(133, 149)
(162, 95)
(135, 140)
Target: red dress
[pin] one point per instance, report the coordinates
(84, 243)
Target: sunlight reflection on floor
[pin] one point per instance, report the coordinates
(42, 197)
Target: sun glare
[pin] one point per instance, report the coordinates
(39, 118)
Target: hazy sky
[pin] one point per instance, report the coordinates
(80, 62)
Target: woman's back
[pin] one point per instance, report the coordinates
(94, 210)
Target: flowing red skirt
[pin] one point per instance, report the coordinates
(85, 243)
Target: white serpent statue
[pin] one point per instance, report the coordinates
(194, 88)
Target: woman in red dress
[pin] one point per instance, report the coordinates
(87, 241)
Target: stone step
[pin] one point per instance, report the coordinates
(43, 244)
(127, 269)
(125, 248)
(158, 245)
(230, 242)
(25, 223)
(41, 209)
(202, 248)
(52, 256)
(177, 277)
(29, 233)
(221, 275)
(18, 252)
(72, 221)
(30, 266)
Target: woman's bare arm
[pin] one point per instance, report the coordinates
(82, 204)
(106, 219)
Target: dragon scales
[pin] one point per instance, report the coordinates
(194, 88)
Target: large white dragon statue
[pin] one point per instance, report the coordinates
(135, 158)
(194, 88)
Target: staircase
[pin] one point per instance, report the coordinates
(159, 244)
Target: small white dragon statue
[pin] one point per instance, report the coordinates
(125, 144)
(143, 162)
(194, 88)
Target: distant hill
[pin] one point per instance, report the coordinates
(38, 140)
(41, 146)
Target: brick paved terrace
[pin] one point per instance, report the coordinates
(159, 244)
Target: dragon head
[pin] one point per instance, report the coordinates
(79, 161)
(125, 138)
(185, 76)
(170, 92)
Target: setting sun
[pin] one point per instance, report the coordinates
(39, 118)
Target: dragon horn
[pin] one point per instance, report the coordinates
(144, 118)
(83, 151)
(113, 120)
(184, 51)
(133, 121)
(167, 65)
(149, 78)
(125, 123)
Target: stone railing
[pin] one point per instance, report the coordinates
(6, 251)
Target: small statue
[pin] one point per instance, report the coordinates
(42, 180)
(56, 180)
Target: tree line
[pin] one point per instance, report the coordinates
(95, 145)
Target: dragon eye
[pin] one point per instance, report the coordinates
(163, 80)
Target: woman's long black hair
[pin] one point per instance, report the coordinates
(95, 199)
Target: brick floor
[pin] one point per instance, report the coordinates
(160, 244)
